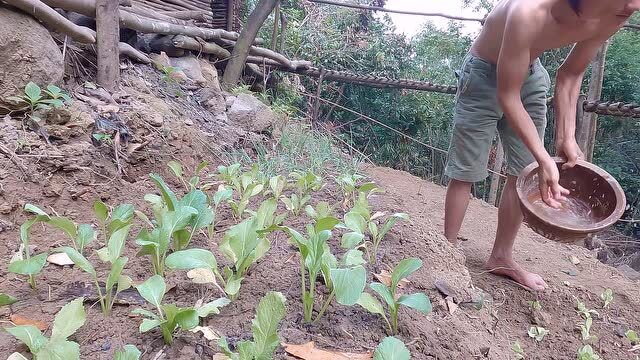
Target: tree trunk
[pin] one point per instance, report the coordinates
(240, 52)
(495, 178)
(108, 37)
(587, 135)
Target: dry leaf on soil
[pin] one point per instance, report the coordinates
(21, 320)
(207, 331)
(574, 260)
(61, 259)
(385, 278)
(202, 276)
(309, 351)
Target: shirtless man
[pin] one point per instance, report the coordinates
(503, 86)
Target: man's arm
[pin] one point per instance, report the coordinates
(568, 82)
(522, 26)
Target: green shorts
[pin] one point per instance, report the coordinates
(477, 118)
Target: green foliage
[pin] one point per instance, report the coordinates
(607, 297)
(417, 301)
(176, 222)
(193, 182)
(169, 317)
(518, 352)
(581, 309)
(538, 333)
(34, 98)
(269, 313)
(391, 349)
(305, 183)
(6, 299)
(22, 262)
(632, 336)
(245, 185)
(128, 352)
(587, 353)
(69, 319)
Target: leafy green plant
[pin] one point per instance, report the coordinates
(22, 262)
(222, 195)
(346, 284)
(538, 333)
(535, 305)
(33, 97)
(607, 297)
(350, 187)
(112, 220)
(391, 349)
(417, 301)
(585, 330)
(202, 259)
(69, 319)
(277, 185)
(194, 181)
(169, 317)
(246, 185)
(80, 235)
(322, 210)
(6, 299)
(176, 222)
(587, 353)
(581, 309)
(269, 313)
(128, 352)
(632, 336)
(168, 73)
(518, 352)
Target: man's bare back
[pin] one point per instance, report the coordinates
(557, 25)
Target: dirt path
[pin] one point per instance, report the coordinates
(511, 317)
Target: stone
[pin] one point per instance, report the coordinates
(210, 73)
(251, 114)
(28, 54)
(629, 272)
(213, 100)
(190, 66)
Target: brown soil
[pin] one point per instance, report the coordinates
(71, 183)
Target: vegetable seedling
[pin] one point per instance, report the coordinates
(305, 184)
(587, 353)
(632, 336)
(193, 182)
(128, 352)
(391, 348)
(23, 263)
(538, 333)
(169, 317)
(585, 330)
(6, 299)
(269, 313)
(518, 352)
(581, 309)
(417, 301)
(351, 189)
(607, 297)
(80, 235)
(69, 319)
(246, 185)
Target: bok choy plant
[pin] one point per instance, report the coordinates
(169, 317)
(417, 301)
(246, 185)
(305, 184)
(193, 182)
(269, 313)
(80, 235)
(69, 319)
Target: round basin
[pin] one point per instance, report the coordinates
(596, 202)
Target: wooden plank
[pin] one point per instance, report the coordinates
(107, 38)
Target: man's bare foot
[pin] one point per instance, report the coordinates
(513, 270)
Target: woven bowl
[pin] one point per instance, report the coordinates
(594, 187)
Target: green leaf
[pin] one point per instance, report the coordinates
(270, 312)
(201, 166)
(384, 293)
(29, 335)
(148, 324)
(391, 349)
(370, 303)
(404, 268)
(34, 209)
(30, 266)
(212, 307)
(86, 235)
(6, 299)
(191, 259)
(69, 319)
(168, 195)
(233, 286)
(124, 282)
(187, 319)
(353, 257)
(181, 239)
(326, 223)
(114, 274)
(222, 195)
(129, 352)
(65, 225)
(175, 167)
(153, 290)
(103, 254)
(16, 99)
(365, 188)
(356, 222)
(116, 243)
(33, 91)
(239, 241)
(124, 213)
(351, 240)
(418, 301)
(79, 260)
(60, 350)
(348, 284)
(146, 313)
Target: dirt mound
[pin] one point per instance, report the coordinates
(484, 314)
(28, 54)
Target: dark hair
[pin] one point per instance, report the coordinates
(575, 5)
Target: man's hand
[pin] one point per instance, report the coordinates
(570, 151)
(550, 190)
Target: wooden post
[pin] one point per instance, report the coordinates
(589, 124)
(107, 39)
(230, 8)
(283, 31)
(274, 33)
(495, 178)
(316, 105)
(583, 125)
